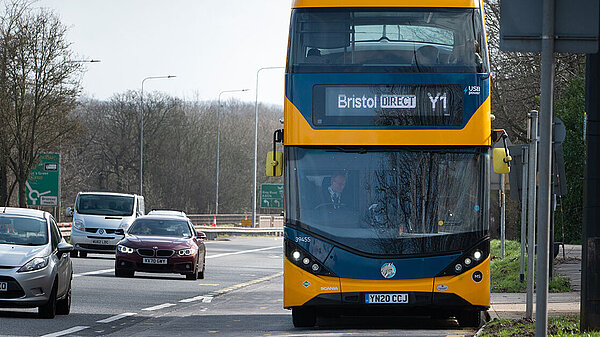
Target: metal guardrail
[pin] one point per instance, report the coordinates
(211, 231)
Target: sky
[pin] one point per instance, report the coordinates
(210, 46)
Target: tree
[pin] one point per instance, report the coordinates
(41, 85)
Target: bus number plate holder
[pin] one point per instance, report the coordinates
(386, 298)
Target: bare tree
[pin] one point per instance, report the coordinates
(516, 77)
(41, 85)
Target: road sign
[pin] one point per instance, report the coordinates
(271, 195)
(575, 25)
(42, 185)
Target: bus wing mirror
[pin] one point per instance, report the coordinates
(274, 164)
(502, 159)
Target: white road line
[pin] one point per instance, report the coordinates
(242, 252)
(160, 306)
(95, 272)
(116, 317)
(66, 332)
(111, 270)
(205, 299)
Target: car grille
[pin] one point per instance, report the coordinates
(165, 252)
(94, 230)
(146, 252)
(97, 247)
(14, 289)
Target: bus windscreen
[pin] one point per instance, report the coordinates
(447, 40)
(389, 202)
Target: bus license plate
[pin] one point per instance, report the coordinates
(386, 298)
(3, 286)
(100, 242)
(152, 260)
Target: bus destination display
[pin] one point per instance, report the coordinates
(387, 105)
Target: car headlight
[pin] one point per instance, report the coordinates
(124, 249)
(186, 252)
(36, 263)
(78, 224)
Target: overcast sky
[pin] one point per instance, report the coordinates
(211, 46)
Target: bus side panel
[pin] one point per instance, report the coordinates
(464, 285)
(299, 132)
(300, 286)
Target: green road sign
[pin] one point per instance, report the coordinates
(42, 185)
(271, 195)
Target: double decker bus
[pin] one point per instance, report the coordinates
(387, 155)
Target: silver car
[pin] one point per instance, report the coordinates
(35, 267)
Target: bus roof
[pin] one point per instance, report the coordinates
(387, 3)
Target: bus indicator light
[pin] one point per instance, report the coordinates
(458, 268)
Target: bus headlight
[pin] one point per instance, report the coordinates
(301, 258)
(477, 255)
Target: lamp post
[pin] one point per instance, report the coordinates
(218, 142)
(256, 144)
(142, 126)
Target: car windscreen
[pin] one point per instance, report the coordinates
(160, 227)
(15, 230)
(99, 204)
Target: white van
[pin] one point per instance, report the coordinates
(97, 215)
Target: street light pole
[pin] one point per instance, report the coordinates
(256, 144)
(218, 142)
(142, 127)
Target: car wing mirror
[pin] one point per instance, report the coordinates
(120, 231)
(201, 235)
(63, 248)
(69, 211)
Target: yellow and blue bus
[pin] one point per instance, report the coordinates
(387, 155)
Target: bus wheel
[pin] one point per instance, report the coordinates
(304, 317)
(469, 318)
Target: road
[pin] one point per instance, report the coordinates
(240, 296)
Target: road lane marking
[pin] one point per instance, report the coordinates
(116, 317)
(245, 284)
(67, 331)
(160, 306)
(105, 271)
(205, 299)
(95, 272)
(242, 252)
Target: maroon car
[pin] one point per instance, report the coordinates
(161, 244)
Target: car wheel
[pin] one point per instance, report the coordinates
(82, 254)
(73, 253)
(48, 310)
(201, 272)
(63, 307)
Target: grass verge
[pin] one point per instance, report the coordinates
(563, 326)
(505, 272)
